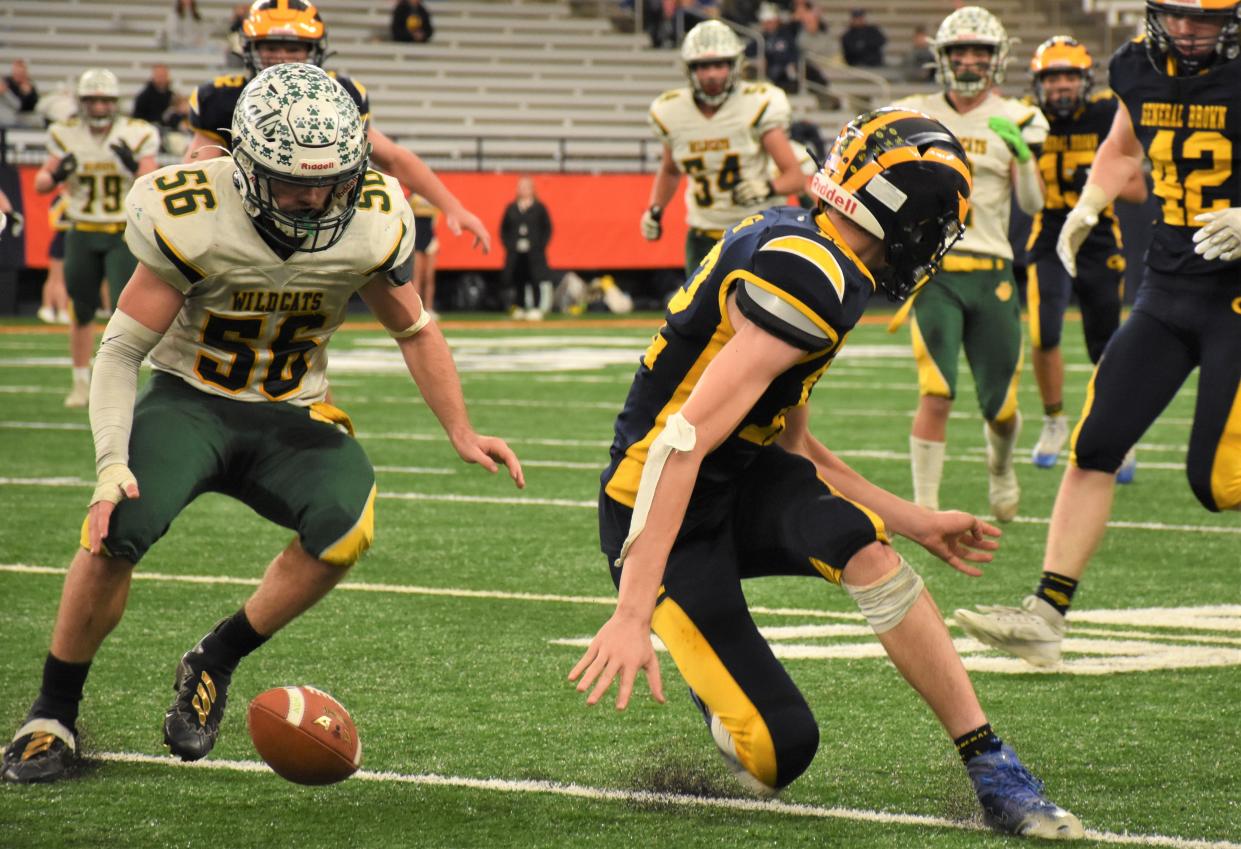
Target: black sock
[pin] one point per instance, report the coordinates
(1053, 409)
(980, 741)
(62, 690)
(1056, 590)
(231, 640)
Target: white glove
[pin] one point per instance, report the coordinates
(651, 228)
(1078, 224)
(1221, 237)
(4, 223)
(113, 483)
(751, 192)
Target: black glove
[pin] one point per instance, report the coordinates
(17, 222)
(126, 154)
(67, 165)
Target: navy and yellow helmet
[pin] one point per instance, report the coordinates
(904, 178)
(1059, 54)
(1190, 55)
(295, 21)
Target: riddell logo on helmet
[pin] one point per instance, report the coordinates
(833, 194)
(319, 165)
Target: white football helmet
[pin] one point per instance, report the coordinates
(298, 128)
(971, 25)
(100, 84)
(712, 41)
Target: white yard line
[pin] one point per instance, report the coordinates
(604, 794)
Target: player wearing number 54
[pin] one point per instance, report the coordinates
(246, 267)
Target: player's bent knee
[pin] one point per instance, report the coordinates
(348, 535)
(797, 742)
(1215, 491)
(886, 602)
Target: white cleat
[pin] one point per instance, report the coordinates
(79, 395)
(1051, 441)
(1003, 491)
(1032, 632)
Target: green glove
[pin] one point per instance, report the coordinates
(1011, 134)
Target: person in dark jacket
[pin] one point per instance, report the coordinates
(411, 22)
(525, 230)
(862, 43)
(155, 98)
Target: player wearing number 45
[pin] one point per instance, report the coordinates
(97, 155)
(975, 303)
(723, 134)
(246, 267)
(1178, 107)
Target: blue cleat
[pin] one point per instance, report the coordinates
(1013, 802)
(1050, 441)
(1128, 467)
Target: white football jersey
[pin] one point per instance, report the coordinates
(254, 326)
(986, 225)
(718, 152)
(97, 188)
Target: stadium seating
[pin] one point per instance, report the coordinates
(502, 85)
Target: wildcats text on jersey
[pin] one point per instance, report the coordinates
(291, 301)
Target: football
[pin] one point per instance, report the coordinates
(305, 735)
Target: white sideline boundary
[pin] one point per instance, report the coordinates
(602, 794)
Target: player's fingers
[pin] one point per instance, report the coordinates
(606, 677)
(626, 687)
(131, 490)
(584, 661)
(654, 679)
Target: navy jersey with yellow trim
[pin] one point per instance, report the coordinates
(212, 104)
(793, 277)
(1190, 128)
(1065, 162)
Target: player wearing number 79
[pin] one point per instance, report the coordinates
(1178, 92)
(246, 267)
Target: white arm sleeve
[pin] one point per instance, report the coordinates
(114, 386)
(1029, 191)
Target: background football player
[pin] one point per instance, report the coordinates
(1178, 108)
(722, 133)
(246, 268)
(766, 314)
(96, 155)
(975, 303)
(1063, 72)
(292, 31)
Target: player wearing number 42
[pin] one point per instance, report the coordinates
(293, 211)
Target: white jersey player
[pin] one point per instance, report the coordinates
(973, 304)
(246, 265)
(96, 155)
(723, 134)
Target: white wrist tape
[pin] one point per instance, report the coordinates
(1093, 199)
(678, 435)
(112, 483)
(424, 318)
(886, 602)
(114, 385)
(1029, 192)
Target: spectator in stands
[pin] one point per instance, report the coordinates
(18, 98)
(813, 39)
(862, 43)
(525, 230)
(232, 56)
(411, 22)
(155, 97)
(780, 52)
(185, 28)
(744, 12)
(920, 62)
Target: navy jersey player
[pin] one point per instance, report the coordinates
(1178, 90)
(292, 31)
(715, 476)
(1063, 72)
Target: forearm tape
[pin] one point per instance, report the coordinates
(1029, 192)
(678, 435)
(114, 385)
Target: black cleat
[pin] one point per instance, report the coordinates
(192, 723)
(42, 750)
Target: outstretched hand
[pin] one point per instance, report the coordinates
(489, 452)
(621, 648)
(959, 539)
(469, 221)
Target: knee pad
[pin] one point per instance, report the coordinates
(886, 602)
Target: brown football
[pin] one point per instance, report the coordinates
(305, 735)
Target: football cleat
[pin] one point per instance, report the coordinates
(79, 395)
(1128, 467)
(42, 750)
(1003, 491)
(1013, 802)
(192, 723)
(1051, 441)
(728, 751)
(1032, 632)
